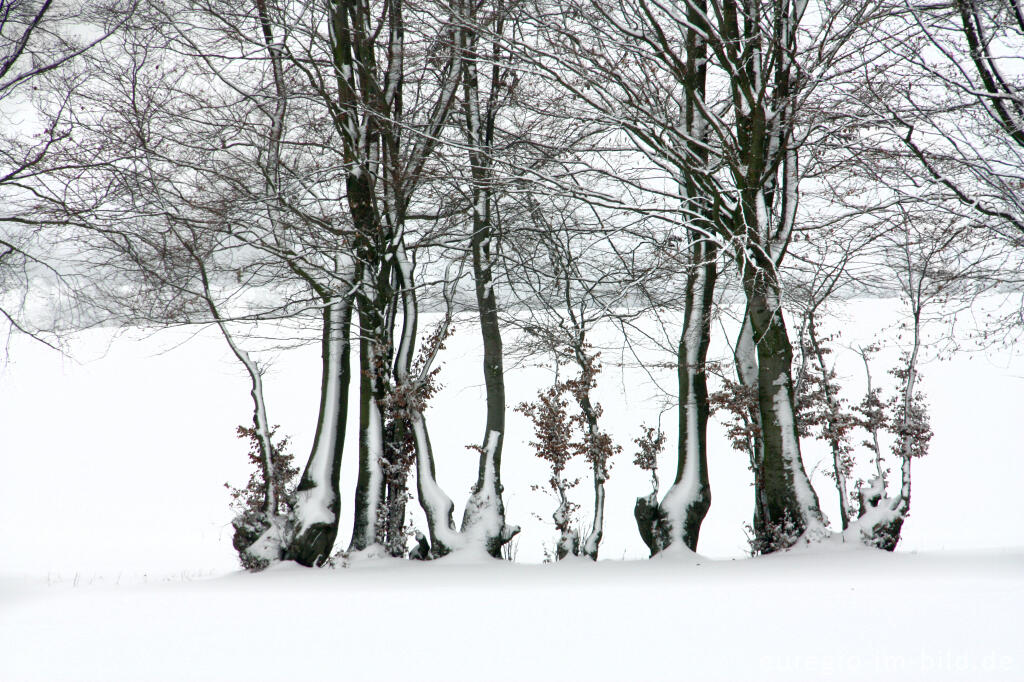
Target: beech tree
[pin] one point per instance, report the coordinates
(192, 195)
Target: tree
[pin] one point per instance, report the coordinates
(568, 283)
(486, 92)
(192, 193)
(932, 258)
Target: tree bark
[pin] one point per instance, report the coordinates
(367, 526)
(318, 496)
(745, 356)
(679, 515)
(484, 516)
(791, 505)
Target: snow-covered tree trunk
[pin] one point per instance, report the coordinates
(745, 357)
(318, 498)
(568, 538)
(368, 524)
(679, 515)
(485, 528)
(437, 506)
(592, 543)
(259, 423)
(766, 176)
(688, 499)
(600, 450)
(484, 517)
(273, 146)
(791, 505)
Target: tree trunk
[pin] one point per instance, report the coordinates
(484, 517)
(682, 510)
(679, 515)
(568, 538)
(259, 540)
(367, 527)
(791, 504)
(437, 506)
(592, 543)
(317, 500)
(374, 297)
(745, 356)
(396, 484)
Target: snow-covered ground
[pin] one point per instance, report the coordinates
(116, 560)
(848, 615)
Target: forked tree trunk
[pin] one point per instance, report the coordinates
(383, 170)
(678, 517)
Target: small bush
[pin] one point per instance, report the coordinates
(251, 520)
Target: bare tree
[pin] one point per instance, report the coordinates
(192, 196)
